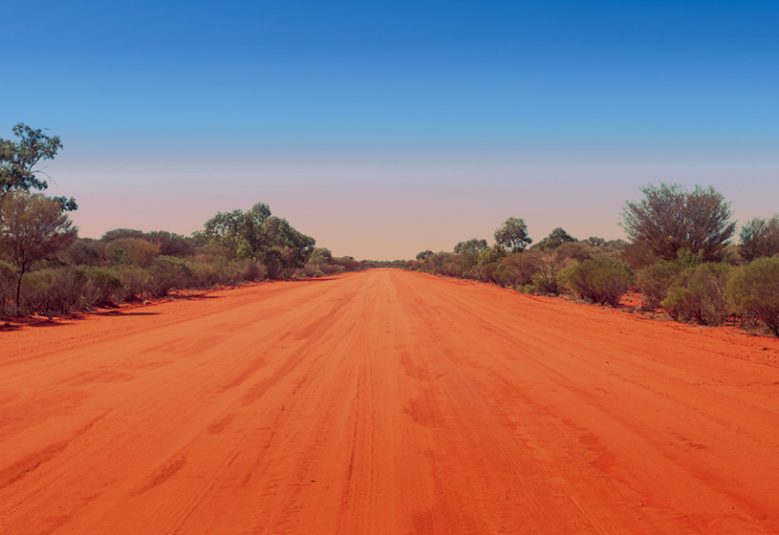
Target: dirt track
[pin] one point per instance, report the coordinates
(386, 402)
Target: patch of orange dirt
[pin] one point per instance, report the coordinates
(386, 402)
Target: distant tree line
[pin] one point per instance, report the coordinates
(680, 256)
(45, 268)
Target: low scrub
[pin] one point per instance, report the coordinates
(602, 279)
(167, 273)
(518, 269)
(753, 291)
(698, 295)
(655, 280)
(136, 283)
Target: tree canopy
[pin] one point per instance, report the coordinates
(512, 235)
(257, 234)
(760, 237)
(473, 247)
(19, 161)
(555, 239)
(670, 219)
(32, 228)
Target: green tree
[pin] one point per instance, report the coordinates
(600, 280)
(760, 237)
(670, 218)
(555, 239)
(239, 231)
(261, 236)
(424, 255)
(512, 235)
(471, 247)
(20, 159)
(32, 227)
(135, 251)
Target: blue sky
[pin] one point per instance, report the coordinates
(453, 115)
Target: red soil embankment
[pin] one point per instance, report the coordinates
(386, 402)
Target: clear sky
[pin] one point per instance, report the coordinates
(385, 128)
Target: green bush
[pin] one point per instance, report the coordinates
(655, 281)
(102, 286)
(7, 289)
(600, 280)
(135, 251)
(518, 269)
(545, 283)
(251, 271)
(698, 294)
(136, 283)
(36, 294)
(753, 290)
(59, 290)
(167, 273)
(67, 289)
(84, 252)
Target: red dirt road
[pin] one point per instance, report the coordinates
(386, 402)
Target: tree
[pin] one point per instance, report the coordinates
(424, 255)
(19, 161)
(555, 239)
(120, 233)
(281, 244)
(135, 251)
(237, 230)
(760, 237)
(512, 236)
(670, 219)
(595, 241)
(32, 227)
(257, 234)
(471, 247)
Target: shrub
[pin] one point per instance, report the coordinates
(655, 280)
(35, 292)
(600, 280)
(698, 294)
(68, 287)
(518, 269)
(136, 282)
(167, 273)
(101, 286)
(753, 290)
(54, 290)
(545, 283)
(135, 251)
(84, 252)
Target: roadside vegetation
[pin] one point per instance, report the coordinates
(680, 257)
(46, 268)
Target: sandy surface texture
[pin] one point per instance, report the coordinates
(386, 402)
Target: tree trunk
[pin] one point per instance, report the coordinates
(19, 293)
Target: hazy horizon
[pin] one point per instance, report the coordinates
(389, 128)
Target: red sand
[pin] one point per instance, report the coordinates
(386, 402)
